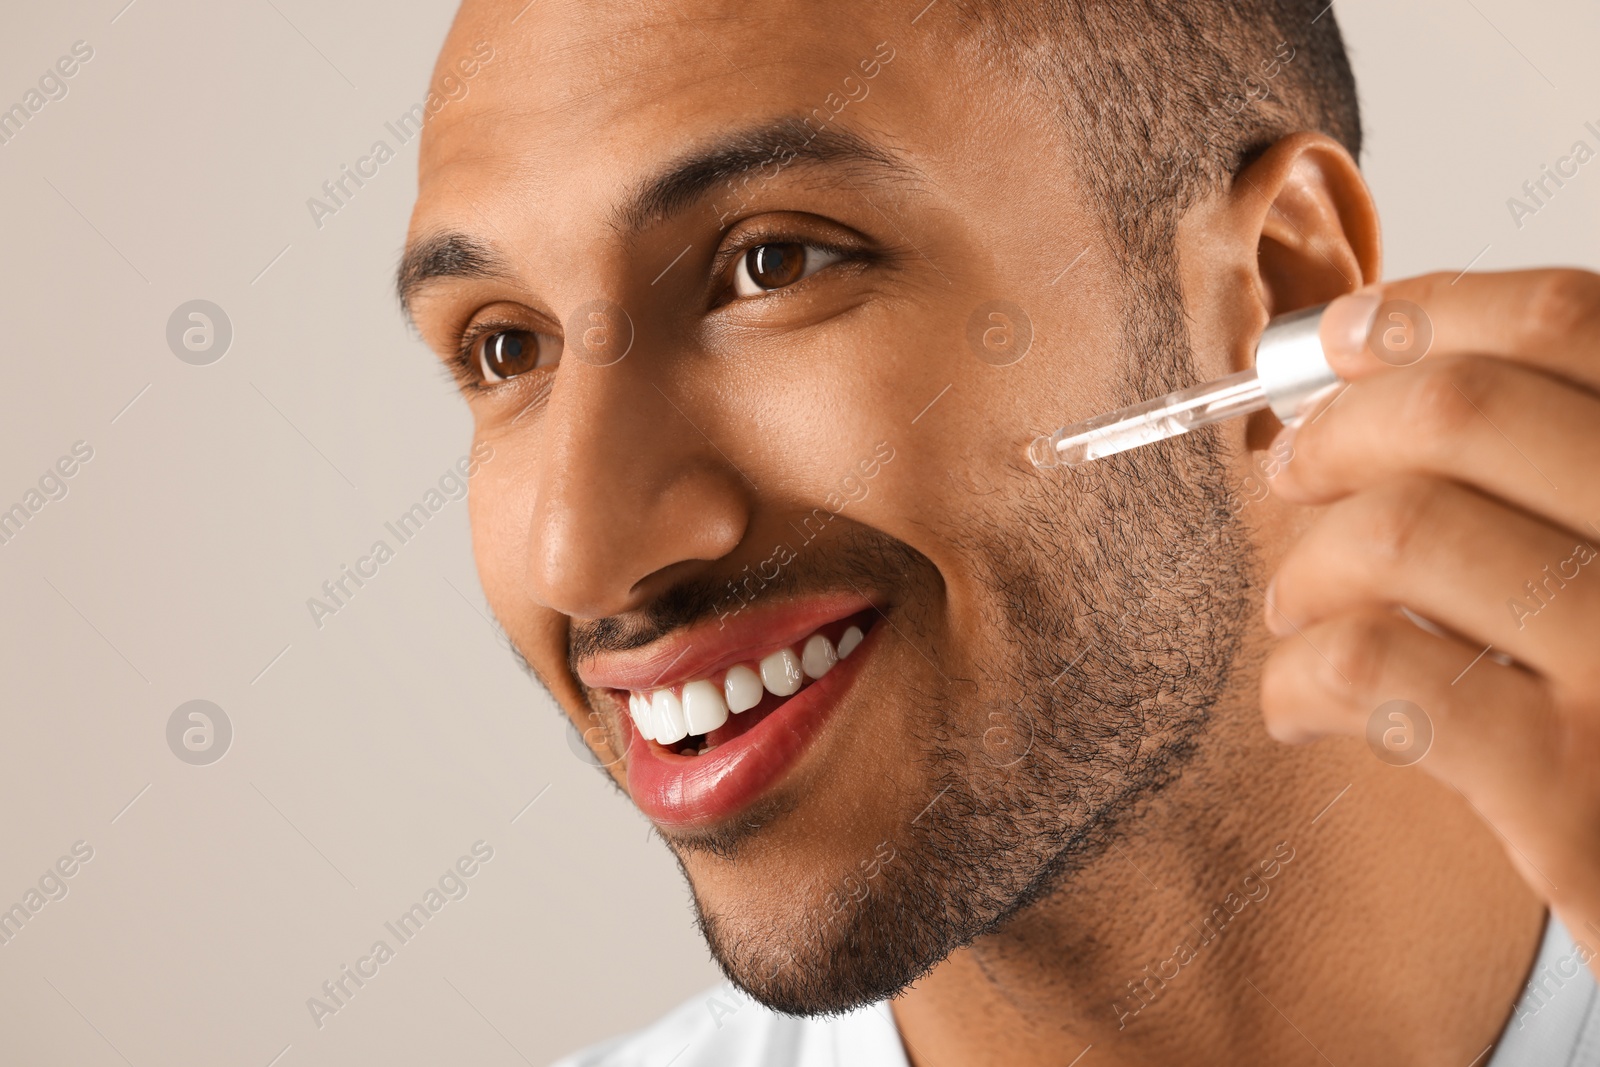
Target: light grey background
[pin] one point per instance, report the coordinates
(370, 754)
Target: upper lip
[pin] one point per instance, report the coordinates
(707, 647)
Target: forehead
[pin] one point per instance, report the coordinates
(579, 99)
(576, 71)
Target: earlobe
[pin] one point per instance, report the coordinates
(1317, 226)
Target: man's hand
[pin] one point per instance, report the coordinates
(1464, 487)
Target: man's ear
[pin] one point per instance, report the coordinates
(1297, 227)
(1316, 227)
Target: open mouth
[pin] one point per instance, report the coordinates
(696, 716)
(720, 713)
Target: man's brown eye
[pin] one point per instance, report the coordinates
(773, 266)
(508, 353)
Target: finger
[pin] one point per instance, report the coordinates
(1546, 319)
(1490, 731)
(1475, 566)
(1514, 433)
(1340, 676)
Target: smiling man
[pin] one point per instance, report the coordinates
(971, 763)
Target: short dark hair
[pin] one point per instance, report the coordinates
(1167, 100)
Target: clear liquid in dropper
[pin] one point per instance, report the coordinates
(1150, 421)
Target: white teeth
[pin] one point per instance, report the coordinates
(703, 709)
(649, 722)
(667, 710)
(639, 708)
(780, 672)
(663, 716)
(652, 718)
(742, 689)
(818, 658)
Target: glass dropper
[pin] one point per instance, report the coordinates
(1290, 368)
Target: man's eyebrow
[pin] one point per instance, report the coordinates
(445, 255)
(778, 144)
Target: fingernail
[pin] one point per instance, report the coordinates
(1347, 322)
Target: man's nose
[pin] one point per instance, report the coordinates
(632, 495)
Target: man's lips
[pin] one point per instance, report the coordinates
(745, 758)
(717, 713)
(706, 648)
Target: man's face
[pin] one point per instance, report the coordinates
(739, 275)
